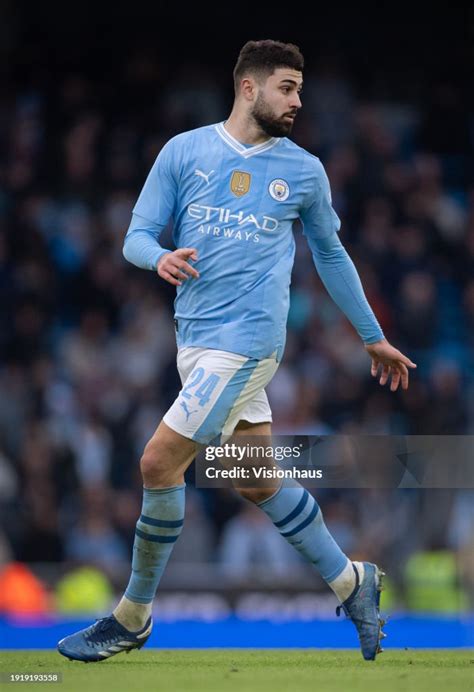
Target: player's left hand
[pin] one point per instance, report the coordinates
(393, 363)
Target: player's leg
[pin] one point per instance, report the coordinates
(165, 459)
(299, 519)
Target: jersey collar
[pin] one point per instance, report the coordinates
(244, 151)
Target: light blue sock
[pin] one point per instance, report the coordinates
(299, 519)
(157, 531)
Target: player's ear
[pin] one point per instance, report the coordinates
(248, 88)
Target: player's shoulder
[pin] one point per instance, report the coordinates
(185, 146)
(183, 139)
(312, 163)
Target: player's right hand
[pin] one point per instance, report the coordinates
(174, 268)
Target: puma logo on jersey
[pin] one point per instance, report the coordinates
(200, 174)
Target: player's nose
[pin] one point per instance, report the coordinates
(295, 101)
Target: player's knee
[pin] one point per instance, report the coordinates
(149, 463)
(154, 464)
(164, 460)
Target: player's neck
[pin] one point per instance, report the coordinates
(245, 130)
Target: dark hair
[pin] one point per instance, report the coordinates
(262, 58)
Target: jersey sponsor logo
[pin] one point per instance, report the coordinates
(279, 189)
(240, 183)
(223, 215)
(201, 174)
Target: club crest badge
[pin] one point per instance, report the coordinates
(240, 183)
(279, 189)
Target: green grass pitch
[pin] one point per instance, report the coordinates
(251, 671)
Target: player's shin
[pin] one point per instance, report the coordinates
(157, 530)
(299, 519)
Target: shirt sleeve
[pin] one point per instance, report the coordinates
(141, 246)
(154, 208)
(318, 216)
(157, 199)
(342, 282)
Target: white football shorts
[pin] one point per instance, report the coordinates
(219, 389)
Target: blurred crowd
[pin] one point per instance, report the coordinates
(87, 349)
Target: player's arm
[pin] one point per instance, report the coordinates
(340, 277)
(152, 212)
(142, 248)
(142, 243)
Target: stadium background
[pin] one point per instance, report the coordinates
(87, 349)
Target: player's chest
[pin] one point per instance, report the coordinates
(246, 187)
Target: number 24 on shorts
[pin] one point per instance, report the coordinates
(203, 393)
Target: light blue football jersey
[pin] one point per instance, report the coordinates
(236, 205)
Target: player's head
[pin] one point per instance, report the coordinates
(268, 79)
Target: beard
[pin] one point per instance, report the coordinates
(266, 119)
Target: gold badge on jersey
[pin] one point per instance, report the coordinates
(240, 183)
